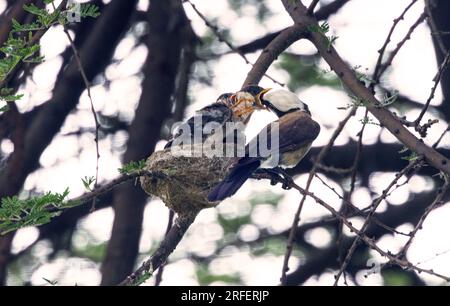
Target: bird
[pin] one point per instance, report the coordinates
(296, 131)
(229, 107)
(182, 181)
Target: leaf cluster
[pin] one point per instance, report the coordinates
(16, 213)
(22, 43)
(323, 29)
(132, 167)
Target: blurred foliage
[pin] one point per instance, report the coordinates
(323, 30)
(232, 225)
(396, 278)
(304, 72)
(92, 251)
(205, 278)
(275, 246)
(266, 198)
(262, 11)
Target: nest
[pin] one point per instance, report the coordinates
(184, 178)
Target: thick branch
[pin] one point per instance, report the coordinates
(166, 247)
(321, 14)
(298, 14)
(280, 43)
(167, 23)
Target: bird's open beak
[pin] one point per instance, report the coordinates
(233, 99)
(258, 98)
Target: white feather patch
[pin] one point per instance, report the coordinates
(284, 100)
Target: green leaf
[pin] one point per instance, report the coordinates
(11, 98)
(396, 278)
(412, 157)
(4, 108)
(33, 9)
(232, 225)
(266, 198)
(93, 251)
(16, 213)
(132, 167)
(304, 72)
(88, 181)
(142, 278)
(89, 10)
(205, 277)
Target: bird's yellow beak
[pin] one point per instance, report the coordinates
(258, 98)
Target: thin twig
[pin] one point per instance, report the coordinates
(376, 75)
(166, 247)
(222, 38)
(441, 33)
(295, 222)
(392, 55)
(437, 79)
(94, 113)
(354, 170)
(36, 38)
(368, 219)
(360, 234)
(159, 275)
(437, 202)
(348, 77)
(332, 169)
(360, 212)
(368, 241)
(312, 6)
(378, 72)
(435, 145)
(100, 190)
(434, 28)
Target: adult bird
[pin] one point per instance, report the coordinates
(229, 107)
(295, 131)
(182, 181)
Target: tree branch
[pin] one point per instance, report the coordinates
(368, 241)
(327, 51)
(260, 43)
(166, 247)
(280, 43)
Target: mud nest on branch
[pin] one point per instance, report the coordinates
(184, 181)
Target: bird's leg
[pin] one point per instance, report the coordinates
(286, 178)
(273, 175)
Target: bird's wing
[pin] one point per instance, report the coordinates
(216, 112)
(296, 130)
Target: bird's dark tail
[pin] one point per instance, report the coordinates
(235, 179)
